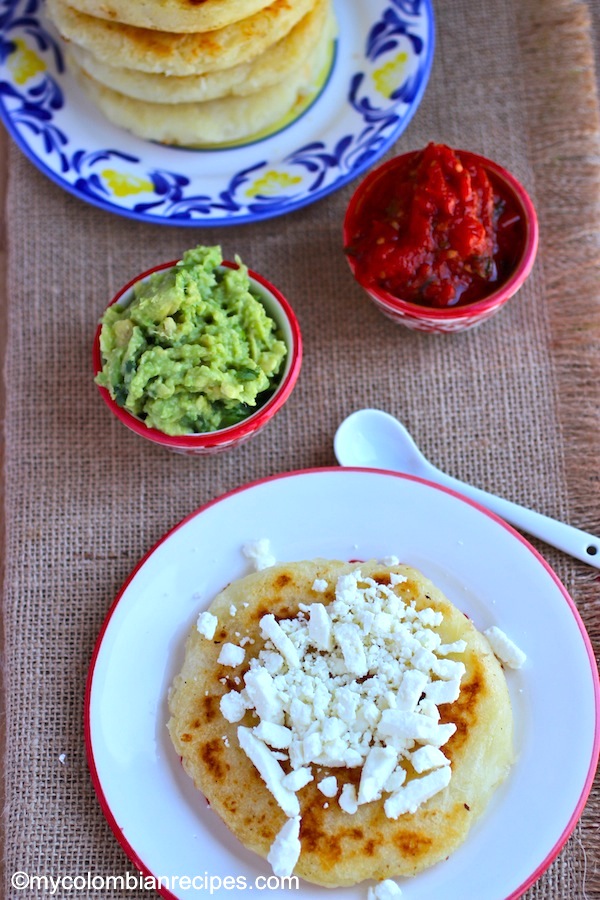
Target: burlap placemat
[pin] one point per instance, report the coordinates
(512, 407)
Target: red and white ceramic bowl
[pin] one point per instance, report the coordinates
(455, 318)
(226, 438)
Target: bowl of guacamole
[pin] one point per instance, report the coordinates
(197, 354)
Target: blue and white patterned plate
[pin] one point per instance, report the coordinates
(379, 71)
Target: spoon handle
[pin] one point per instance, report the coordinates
(577, 543)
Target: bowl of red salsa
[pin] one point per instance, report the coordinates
(440, 238)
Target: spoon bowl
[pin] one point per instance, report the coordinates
(371, 438)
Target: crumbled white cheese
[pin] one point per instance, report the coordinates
(285, 849)
(396, 779)
(312, 746)
(454, 647)
(269, 770)
(328, 786)
(260, 553)
(233, 706)
(414, 727)
(261, 691)
(448, 669)
(355, 683)
(207, 625)
(397, 578)
(272, 661)
(297, 779)
(428, 757)
(413, 683)
(349, 639)
(390, 560)
(231, 655)
(277, 736)
(443, 691)
(232, 610)
(270, 628)
(385, 890)
(505, 649)
(411, 795)
(379, 765)
(319, 627)
(320, 585)
(430, 616)
(348, 800)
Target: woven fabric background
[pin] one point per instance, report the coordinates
(513, 407)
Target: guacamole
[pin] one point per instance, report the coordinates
(192, 349)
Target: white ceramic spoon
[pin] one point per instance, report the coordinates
(370, 438)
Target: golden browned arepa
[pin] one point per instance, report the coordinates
(211, 122)
(178, 54)
(172, 15)
(272, 66)
(396, 768)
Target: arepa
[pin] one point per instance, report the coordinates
(178, 54)
(172, 15)
(211, 122)
(272, 66)
(338, 846)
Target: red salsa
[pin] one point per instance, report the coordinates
(438, 231)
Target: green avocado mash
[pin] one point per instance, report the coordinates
(191, 349)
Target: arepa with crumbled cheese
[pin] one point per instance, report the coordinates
(345, 720)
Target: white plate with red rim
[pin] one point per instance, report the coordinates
(485, 567)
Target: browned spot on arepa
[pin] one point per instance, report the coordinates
(213, 756)
(464, 712)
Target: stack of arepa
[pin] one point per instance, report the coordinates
(196, 72)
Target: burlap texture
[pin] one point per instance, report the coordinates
(513, 407)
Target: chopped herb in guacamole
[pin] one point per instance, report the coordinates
(191, 349)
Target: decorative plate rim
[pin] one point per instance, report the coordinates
(94, 192)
